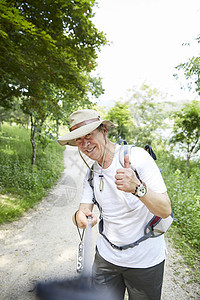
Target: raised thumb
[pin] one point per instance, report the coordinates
(126, 161)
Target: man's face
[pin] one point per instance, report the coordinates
(92, 144)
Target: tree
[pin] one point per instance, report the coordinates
(186, 129)
(14, 115)
(149, 113)
(47, 48)
(46, 42)
(191, 70)
(141, 119)
(120, 115)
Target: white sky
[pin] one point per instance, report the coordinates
(147, 38)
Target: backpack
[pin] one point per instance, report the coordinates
(155, 227)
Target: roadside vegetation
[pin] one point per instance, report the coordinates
(22, 185)
(184, 192)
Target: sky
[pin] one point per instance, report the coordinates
(147, 38)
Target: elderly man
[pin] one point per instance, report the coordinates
(127, 203)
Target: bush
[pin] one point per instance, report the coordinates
(25, 183)
(184, 192)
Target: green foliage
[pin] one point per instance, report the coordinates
(14, 114)
(191, 70)
(149, 113)
(186, 129)
(44, 43)
(25, 184)
(47, 52)
(184, 193)
(190, 254)
(120, 115)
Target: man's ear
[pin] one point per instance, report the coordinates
(105, 130)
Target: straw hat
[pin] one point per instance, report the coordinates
(83, 122)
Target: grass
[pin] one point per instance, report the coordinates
(189, 254)
(184, 192)
(21, 184)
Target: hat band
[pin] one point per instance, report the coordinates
(84, 123)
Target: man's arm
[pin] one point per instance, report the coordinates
(158, 203)
(83, 212)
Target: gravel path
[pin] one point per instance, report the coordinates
(42, 245)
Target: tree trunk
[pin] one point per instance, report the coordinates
(188, 160)
(27, 122)
(32, 139)
(187, 164)
(57, 128)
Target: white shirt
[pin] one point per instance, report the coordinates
(124, 215)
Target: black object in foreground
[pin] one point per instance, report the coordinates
(79, 288)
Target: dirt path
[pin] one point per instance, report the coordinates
(42, 245)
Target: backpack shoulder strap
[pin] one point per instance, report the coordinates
(91, 183)
(150, 151)
(126, 149)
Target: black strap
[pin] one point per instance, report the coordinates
(81, 235)
(150, 151)
(124, 247)
(121, 141)
(91, 182)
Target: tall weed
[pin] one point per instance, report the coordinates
(184, 191)
(26, 184)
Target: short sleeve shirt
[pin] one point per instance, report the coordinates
(124, 215)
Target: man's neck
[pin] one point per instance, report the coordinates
(109, 155)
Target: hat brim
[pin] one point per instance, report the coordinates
(70, 137)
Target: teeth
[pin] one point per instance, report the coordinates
(90, 150)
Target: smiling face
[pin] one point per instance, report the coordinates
(93, 144)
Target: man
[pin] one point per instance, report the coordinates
(127, 203)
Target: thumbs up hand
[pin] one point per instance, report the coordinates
(125, 178)
(126, 161)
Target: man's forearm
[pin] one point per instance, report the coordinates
(158, 203)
